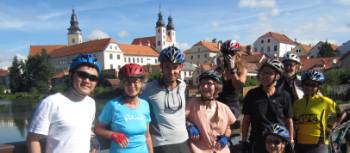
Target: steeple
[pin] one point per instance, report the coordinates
(160, 22)
(74, 25)
(170, 25)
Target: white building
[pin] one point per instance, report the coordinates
(273, 44)
(165, 36)
(344, 48)
(111, 54)
(314, 52)
(202, 52)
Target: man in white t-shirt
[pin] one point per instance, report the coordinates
(65, 118)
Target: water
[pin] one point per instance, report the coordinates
(15, 117)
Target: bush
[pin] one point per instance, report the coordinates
(251, 82)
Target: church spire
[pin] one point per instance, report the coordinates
(74, 25)
(170, 25)
(160, 22)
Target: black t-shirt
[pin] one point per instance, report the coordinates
(230, 96)
(264, 110)
(282, 84)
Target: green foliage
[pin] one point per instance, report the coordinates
(16, 78)
(337, 76)
(251, 82)
(326, 50)
(154, 76)
(2, 89)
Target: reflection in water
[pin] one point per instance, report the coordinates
(16, 115)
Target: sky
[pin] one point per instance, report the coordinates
(45, 22)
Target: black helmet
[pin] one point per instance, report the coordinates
(211, 75)
(275, 64)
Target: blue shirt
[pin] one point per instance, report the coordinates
(130, 121)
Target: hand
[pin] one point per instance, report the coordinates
(230, 63)
(245, 147)
(120, 139)
(222, 140)
(193, 131)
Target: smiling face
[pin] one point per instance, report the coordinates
(291, 68)
(132, 86)
(274, 144)
(171, 71)
(84, 80)
(310, 87)
(267, 76)
(207, 88)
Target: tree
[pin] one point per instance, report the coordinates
(326, 50)
(16, 77)
(37, 73)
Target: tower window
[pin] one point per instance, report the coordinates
(169, 33)
(262, 41)
(158, 30)
(73, 40)
(275, 48)
(111, 66)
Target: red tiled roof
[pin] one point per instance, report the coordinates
(36, 49)
(4, 72)
(310, 63)
(138, 50)
(305, 47)
(254, 58)
(145, 41)
(279, 37)
(213, 47)
(85, 47)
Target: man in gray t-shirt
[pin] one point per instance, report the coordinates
(166, 97)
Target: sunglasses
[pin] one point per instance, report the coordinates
(85, 75)
(309, 84)
(273, 141)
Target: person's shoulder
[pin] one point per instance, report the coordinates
(255, 90)
(325, 99)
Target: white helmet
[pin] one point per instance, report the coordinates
(291, 57)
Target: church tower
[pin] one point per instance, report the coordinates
(74, 32)
(170, 31)
(160, 33)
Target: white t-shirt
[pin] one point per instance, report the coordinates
(66, 123)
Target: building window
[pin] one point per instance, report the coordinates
(158, 30)
(262, 41)
(275, 48)
(138, 60)
(268, 40)
(191, 57)
(141, 60)
(198, 56)
(169, 33)
(205, 55)
(262, 49)
(118, 57)
(110, 56)
(118, 67)
(155, 60)
(129, 60)
(111, 66)
(198, 49)
(125, 59)
(268, 48)
(158, 43)
(133, 59)
(111, 47)
(73, 40)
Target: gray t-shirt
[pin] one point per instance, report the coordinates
(167, 113)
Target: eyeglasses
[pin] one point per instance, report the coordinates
(311, 84)
(273, 141)
(267, 73)
(289, 64)
(130, 81)
(172, 109)
(207, 83)
(85, 75)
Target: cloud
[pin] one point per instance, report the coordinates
(344, 2)
(183, 46)
(257, 3)
(123, 33)
(97, 34)
(214, 24)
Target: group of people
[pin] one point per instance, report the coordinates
(156, 116)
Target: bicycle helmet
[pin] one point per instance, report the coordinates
(211, 75)
(85, 59)
(278, 130)
(275, 64)
(289, 56)
(172, 54)
(313, 76)
(230, 46)
(131, 70)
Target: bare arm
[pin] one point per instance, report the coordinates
(290, 126)
(149, 140)
(101, 130)
(245, 127)
(33, 142)
(338, 120)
